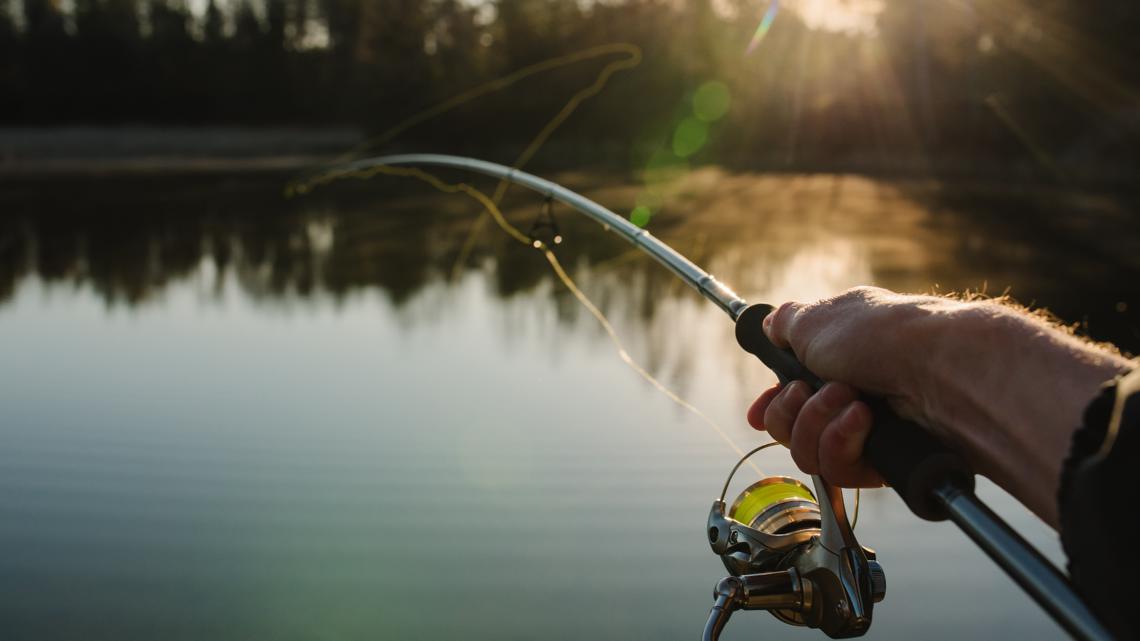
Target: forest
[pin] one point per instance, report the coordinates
(1051, 84)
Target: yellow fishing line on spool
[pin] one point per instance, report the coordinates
(765, 493)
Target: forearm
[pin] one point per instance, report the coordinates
(1005, 387)
(1009, 389)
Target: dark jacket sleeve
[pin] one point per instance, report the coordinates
(1097, 499)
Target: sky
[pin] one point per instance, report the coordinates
(852, 16)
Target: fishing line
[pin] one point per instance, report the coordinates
(633, 58)
(499, 84)
(539, 140)
(490, 204)
(746, 457)
(556, 266)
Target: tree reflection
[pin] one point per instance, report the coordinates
(769, 236)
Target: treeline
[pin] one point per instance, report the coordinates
(1053, 82)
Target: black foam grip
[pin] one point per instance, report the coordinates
(908, 458)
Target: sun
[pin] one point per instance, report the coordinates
(844, 16)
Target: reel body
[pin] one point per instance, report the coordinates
(794, 556)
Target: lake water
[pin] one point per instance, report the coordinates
(227, 415)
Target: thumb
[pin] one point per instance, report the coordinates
(777, 325)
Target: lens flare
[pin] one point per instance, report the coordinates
(711, 101)
(765, 25)
(689, 137)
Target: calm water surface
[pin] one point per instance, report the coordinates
(228, 416)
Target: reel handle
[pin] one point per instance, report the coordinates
(911, 461)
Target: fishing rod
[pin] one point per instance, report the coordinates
(791, 551)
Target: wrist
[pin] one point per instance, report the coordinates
(1011, 389)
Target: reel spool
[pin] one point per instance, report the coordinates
(776, 505)
(792, 555)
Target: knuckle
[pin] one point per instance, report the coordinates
(792, 397)
(814, 411)
(863, 292)
(796, 329)
(782, 319)
(784, 311)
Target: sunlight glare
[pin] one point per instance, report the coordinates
(855, 17)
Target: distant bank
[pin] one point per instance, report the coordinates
(94, 150)
(148, 150)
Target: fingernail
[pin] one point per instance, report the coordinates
(799, 390)
(845, 419)
(767, 322)
(780, 394)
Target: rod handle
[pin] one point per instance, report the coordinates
(908, 458)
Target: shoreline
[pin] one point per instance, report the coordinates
(55, 152)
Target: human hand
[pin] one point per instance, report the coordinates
(865, 336)
(1003, 387)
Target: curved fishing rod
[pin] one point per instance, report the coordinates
(682, 267)
(798, 561)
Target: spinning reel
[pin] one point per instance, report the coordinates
(794, 555)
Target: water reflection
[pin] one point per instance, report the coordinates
(771, 237)
(230, 416)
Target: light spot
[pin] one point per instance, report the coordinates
(711, 101)
(662, 169)
(689, 137)
(640, 216)
(651, 199)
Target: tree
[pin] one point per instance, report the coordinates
(214, 24)
(169, 24)
(276, 18)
